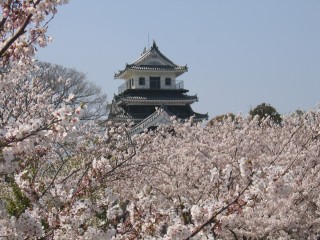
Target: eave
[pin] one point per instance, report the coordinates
(129, 70)
(125, 101)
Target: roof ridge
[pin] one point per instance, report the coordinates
(146, 54)
(163, 63)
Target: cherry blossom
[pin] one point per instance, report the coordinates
(62, 178)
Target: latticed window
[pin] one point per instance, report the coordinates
(168, 81)
(154, 82)
(142, 81)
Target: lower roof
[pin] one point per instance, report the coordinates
(182, 112)
(160, 94)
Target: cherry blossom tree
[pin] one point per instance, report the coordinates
(237, 179)
(24, 107)
(23, 26)
(72, 88)
(240, 178)
(48, 159)
(29, 123)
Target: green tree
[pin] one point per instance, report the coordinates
(266, 110)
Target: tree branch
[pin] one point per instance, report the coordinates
(19, 33)
(211, 219)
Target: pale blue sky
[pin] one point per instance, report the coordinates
(240, 53)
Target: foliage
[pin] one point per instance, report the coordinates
(16, 202)
(266, 110)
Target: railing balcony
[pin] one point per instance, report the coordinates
(127, 85)
(179, 84)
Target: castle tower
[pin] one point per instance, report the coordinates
(151, 83)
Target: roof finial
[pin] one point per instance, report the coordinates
(154, 45)
(144, 50)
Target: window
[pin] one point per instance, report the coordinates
(142, 81)
(154, 82)
(132, 82)
(128, 84)
(168, 81)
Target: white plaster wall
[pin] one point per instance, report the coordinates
(162, 76)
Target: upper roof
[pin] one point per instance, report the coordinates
(151, 60)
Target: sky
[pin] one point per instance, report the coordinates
(239, 53)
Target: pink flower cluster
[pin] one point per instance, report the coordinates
(61, 178)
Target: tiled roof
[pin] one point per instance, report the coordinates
(149, 95)
(162, 115)
(148, 53)
(157, 67)
(181, 112)
(161, 93)
(158, 62)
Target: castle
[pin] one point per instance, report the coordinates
(151, 93)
